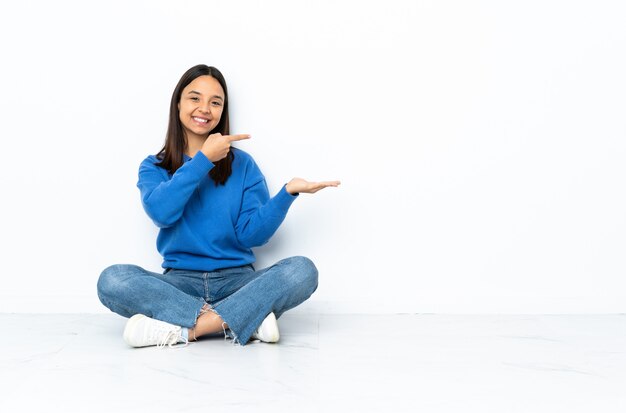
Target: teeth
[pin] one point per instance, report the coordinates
(200, 120)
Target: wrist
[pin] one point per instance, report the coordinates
(208, 155)
(290, 190)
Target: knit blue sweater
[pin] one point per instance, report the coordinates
(205, 227)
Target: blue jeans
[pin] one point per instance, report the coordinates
(241, 296)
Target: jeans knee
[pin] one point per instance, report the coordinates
(112, 278)
(305, 272)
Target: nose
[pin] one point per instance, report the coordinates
(205, 108)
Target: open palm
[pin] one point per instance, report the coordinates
(299, 185)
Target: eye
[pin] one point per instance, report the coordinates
(216, 103)
(195, 98)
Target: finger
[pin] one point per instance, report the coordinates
(233, 138)
(318, 186)
(330, 183)
(321, 185)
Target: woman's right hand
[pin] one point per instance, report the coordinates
(216, 145)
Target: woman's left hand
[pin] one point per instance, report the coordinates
(299, 185)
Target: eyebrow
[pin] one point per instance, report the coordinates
(195, 92)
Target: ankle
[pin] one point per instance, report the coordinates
(205, 309)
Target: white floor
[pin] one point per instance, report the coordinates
(323, 363)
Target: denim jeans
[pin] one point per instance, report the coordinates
(241, 296)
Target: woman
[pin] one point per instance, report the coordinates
(212, 205)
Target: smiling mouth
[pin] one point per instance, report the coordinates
(201, 121)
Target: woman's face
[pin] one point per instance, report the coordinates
(200, 107)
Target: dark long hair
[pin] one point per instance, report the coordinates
(171, 155)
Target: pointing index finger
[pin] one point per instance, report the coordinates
(233, 138)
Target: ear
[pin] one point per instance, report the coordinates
(178, 105)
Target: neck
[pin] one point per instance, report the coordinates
(194, 144)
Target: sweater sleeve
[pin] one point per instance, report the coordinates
(261, 215)
(164, 198)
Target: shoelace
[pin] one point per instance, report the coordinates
(170, 339)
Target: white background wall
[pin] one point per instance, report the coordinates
(481, 144)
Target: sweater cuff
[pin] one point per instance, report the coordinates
(200, 164)
(284, 198)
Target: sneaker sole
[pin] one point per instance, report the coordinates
(130, 325)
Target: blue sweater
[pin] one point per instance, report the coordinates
(205, 227)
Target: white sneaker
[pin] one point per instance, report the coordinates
(143, 331)
(268, 330)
